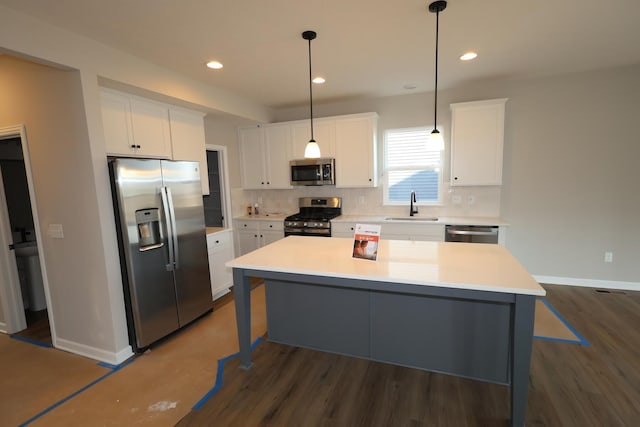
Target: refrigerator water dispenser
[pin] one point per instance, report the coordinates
(148, 223)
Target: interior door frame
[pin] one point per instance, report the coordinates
(10, 292)
(223, 167)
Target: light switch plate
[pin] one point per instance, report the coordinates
(55, 231)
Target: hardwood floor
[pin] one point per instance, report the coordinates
(570, 385)
(38, 328)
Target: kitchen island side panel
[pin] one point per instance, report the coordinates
(461, 337)
(325, 318)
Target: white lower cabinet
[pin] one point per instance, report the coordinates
(220, 248)
(394, 231)
(343, 229)
(254, 234)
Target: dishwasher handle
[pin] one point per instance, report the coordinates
(455, 232)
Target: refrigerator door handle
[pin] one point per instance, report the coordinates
(168, 217)
(174, 230)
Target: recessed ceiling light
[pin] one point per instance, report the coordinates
(216, 65)
(468, 56)
(318, 80)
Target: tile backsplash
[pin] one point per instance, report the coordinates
(456, 201)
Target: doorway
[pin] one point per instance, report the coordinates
(29, 304)
(217, 205)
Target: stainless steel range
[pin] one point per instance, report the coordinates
(314, 218)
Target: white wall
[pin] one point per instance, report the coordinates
(49, 102)
(95, 324)
(571, 179)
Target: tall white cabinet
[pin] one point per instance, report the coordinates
(356, 157)
(477, 139)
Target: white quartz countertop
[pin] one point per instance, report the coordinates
(447, 220)
(444, 264)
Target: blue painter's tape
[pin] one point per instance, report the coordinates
(113, 370)
(220, 373)
(581, 339)
(31, 341)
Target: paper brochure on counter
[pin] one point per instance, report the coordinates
(365, 242)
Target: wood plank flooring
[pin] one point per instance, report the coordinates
(570, 385)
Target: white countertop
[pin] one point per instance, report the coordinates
(470, 266)
(448, 220)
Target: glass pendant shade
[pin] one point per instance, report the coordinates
(312, 150)
(435, 141)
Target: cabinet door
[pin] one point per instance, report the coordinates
(356, 152)
(252, 164)
(323, 132)
(150, 123)
(270, 236)
(477, 133)
(220, 251)
(277, 142)
(188, 140)
(116, 120)
(248, 240)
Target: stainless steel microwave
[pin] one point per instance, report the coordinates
(313, 171)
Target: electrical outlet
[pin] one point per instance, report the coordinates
(608, 257)
(471, 200)
(456, 200)
(361, 200)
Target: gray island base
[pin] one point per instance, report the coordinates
(378, 312)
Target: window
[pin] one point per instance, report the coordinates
(410, 166)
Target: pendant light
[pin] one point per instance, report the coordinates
(435, 141)
(312, 150)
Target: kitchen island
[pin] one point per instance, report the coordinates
(456, 308)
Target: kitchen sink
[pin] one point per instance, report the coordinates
(410, 218)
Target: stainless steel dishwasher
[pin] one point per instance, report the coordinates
(471, 233)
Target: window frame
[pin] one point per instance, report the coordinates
(385, 171)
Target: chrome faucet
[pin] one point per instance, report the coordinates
(412, 210)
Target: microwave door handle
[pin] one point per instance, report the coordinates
(167, 214)
(174, 230)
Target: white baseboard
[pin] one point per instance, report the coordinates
(94, 353)
(3, 328)
(588, 283)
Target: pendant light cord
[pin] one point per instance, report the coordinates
(435, 102)
(310, 93)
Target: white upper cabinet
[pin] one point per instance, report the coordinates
(265, 150)
(324, 132)
(277, 141)
(135, 127)
(188, 140)
(477, 139)
(356, 164)
(116, 119)
(264, 156)
(150, 123)
(138, 127)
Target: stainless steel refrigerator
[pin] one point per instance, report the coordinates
(163, 246)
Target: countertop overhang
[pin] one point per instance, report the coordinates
(467, 266)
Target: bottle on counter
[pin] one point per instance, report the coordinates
(249, 210)
(256, 211)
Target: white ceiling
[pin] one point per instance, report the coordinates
(364, 47)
